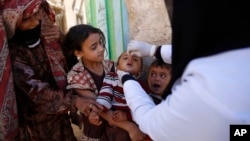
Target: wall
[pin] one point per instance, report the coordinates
(149, 21)
(111, 17)
(145, 20)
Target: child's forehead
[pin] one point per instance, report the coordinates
(126, 54)
(160, 67)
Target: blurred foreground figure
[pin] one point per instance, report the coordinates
(39, 71)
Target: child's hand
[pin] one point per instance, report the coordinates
(94, 118)
(119, 115)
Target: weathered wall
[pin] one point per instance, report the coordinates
(68, 12)
(149, 21)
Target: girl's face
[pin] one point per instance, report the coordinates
(131, 64)
(158, 79)
(92, 49)
(29, 20)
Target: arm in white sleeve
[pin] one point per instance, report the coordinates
(190, 113)
(202, 105)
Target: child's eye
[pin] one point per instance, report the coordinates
(125, 58)
(93, 47)
(163, 75)
(135, 59)
(153, 74)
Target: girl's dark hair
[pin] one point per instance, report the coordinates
(75, 37)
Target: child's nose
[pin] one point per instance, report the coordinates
(130, 60)
(157, 77)
(100, 47)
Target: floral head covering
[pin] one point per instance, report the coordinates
(14, 10)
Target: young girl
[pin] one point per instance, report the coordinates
(84, 50)
(112, 98)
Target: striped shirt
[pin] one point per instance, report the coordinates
(111, 95)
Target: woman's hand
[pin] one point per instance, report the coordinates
(84, 105)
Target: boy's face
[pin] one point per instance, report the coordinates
(131, 64)
(158, 79)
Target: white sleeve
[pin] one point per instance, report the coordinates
(166, 53)
(182, 116)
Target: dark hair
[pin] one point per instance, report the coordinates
(161, 64)
(75, 37)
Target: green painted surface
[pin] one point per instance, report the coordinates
(111, 17)
(88, 11)
(125, 27)
(110, 25)
(93, 12)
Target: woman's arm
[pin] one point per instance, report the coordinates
(85, 93)
(42, 93)
(143, 49)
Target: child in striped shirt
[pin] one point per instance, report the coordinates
(111, 96)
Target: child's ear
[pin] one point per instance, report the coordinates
(77, 54)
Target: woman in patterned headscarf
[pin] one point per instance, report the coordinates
(39, 72)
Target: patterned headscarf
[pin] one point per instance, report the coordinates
(14, 10)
